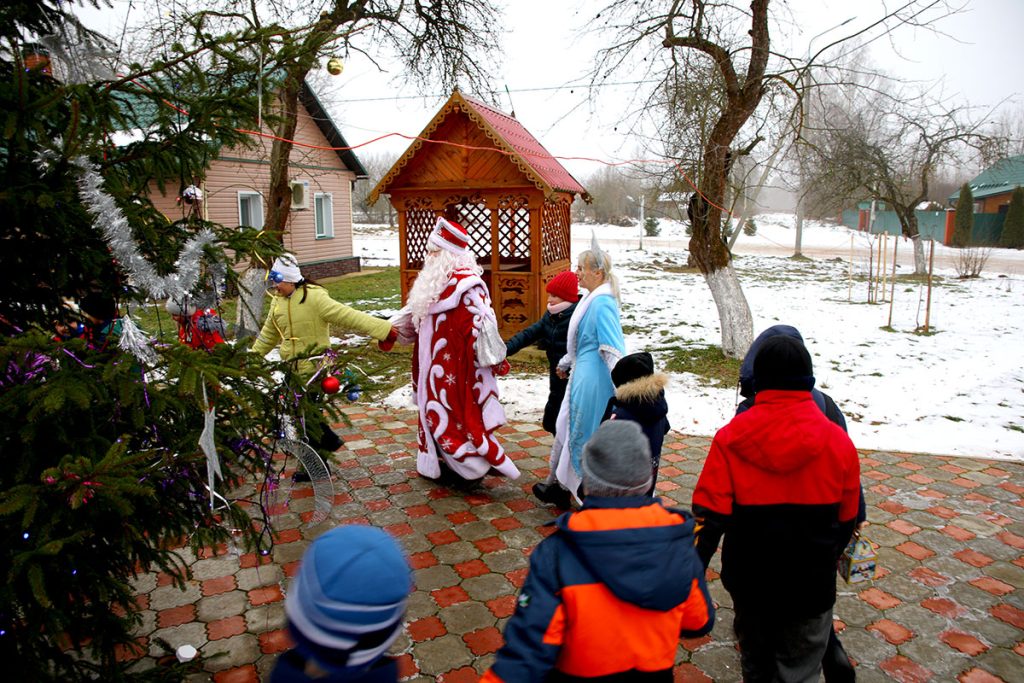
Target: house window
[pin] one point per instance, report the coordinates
(323, 215)
(250, 209)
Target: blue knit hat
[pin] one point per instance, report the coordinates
(346, 603)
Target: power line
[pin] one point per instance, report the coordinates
(570, 87)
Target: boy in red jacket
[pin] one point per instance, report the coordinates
(781, 483)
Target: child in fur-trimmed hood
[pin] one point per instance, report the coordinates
(640, 397)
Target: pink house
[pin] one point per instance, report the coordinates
(319, 230)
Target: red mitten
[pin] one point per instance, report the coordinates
(502, 368)
(388, 342)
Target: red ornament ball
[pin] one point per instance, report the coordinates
(330, 385)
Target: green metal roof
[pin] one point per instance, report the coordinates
(998, 178)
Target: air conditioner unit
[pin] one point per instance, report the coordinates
(300, 195)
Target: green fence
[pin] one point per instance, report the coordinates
(931, 225)
(988, 227)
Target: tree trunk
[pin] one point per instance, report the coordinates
(733, 311)
(909, 220)
(920, 261)
(279, 196)
(797, 253)
(249, 313)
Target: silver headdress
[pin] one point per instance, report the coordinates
(595, 249)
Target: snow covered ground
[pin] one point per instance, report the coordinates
(959, 391)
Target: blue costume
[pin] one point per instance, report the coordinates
(595, 344)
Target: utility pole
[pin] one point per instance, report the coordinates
(642, 226)
(803, 84)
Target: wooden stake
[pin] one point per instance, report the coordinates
(871, 273)
(892, 280)
(849, 278)
(883, 257)
(928, 305)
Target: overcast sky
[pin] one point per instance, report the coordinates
(977, 61)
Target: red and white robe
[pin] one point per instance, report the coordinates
(454, 383)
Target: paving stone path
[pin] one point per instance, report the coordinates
(946, 604)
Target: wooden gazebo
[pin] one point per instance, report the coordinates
(479, 166)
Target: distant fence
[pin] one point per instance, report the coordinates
(931, 225)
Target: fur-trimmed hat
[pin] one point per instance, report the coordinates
(631, 367)
(285, 269)
(565, 285)
(345, 605)
(449, 235)
(617, 460)
(783, 363)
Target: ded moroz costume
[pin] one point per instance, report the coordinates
(457, 353)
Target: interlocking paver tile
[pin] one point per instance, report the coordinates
(949, 532)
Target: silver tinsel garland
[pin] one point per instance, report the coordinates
(111, 221)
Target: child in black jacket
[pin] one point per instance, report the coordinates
(640, 397)
(550, 333)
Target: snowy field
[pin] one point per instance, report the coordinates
(959, 391)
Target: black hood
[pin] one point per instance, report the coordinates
(747, 367)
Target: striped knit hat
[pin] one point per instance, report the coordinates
(346, 603)
(449, 235)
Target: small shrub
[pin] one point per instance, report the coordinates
(651, 228)
(750, 227)
(970, 261)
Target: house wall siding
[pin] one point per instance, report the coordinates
(992, 204)
(249, 170)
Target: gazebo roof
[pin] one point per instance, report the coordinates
(508, 135)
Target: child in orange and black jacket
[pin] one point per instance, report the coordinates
(611, 592)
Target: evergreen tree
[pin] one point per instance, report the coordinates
(964, 220)
(1013, 225)
(103, 474)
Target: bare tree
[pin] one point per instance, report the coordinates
(724, 47)
(615, 195)
(890, 147)
(377, 164)
(444, 43)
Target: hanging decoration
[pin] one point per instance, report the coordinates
(319, 475)
(208, 446)
(135, 342)
(191, 195)
(335, 66)
(111, 222)
(330, 384)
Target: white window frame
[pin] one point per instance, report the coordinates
(323, 232)
(251, 196)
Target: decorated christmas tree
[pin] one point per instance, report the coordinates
(117, 450)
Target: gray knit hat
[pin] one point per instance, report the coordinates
(617, 460)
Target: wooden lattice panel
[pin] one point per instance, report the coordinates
(475, 217)
(554, 241)
(514, 227)
(418, 225)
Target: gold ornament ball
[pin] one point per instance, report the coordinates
(334, 66)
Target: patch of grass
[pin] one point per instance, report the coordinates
(529, 361)
(1015, 427)
(953, 418)
(707, 362)
(367, 290)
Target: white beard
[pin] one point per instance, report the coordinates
(437, 271)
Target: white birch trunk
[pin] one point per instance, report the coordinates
(920, 261)
(251, 293)
(733, 311)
